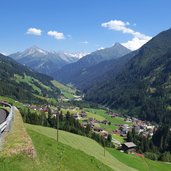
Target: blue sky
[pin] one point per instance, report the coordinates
(80, 25)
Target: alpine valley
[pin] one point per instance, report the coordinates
(98, 98)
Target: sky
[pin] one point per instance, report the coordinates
(80, 25)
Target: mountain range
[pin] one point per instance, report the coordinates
(44, 61)
(90, 66)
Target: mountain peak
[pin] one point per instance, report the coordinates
(118, 45)
(35, 50)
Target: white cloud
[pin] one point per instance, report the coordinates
(84, 42)
(138, 38)
(34, 31)
(135, 43)
(57, 35)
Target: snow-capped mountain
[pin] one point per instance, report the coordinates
(44, 61)
(78, 55)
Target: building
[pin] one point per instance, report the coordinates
(129, 147)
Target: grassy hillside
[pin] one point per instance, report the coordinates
(40, 151)
(22, 83)
(66, 91)
(17, 150)
(140, 163)
(84, 144)
(19, 153)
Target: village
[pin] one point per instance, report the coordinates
(116, 124)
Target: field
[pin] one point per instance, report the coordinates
(47, 154)
(88, 146)
(102, 113)
(29, 80)
(67, 91)
(89, 114)
(140, 163)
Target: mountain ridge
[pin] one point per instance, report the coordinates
(142, 87)
(44, 61)
(70, 73)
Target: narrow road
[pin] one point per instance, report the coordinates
(3, 115)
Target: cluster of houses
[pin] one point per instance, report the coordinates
(41, 108)
(113, 115)
(143, 127)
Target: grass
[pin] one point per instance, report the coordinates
(17, 141)
(72, 153)
(118, 137)
(49, 155)
(89, 114)
(67, 91)
(115, 120)
(10, 100)
(84, 144)
(49, 100)
(29, 80)
(139, 163)
(108, 128)
(57, 156)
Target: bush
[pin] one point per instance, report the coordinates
(166, 156)
(151, 156)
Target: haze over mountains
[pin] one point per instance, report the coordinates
(44, 61)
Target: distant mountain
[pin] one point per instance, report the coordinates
(74, 73)
(143, 86)
(43, 61)
(21, 83)
(102, 71)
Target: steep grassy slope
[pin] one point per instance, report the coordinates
(66, 91)
(84, 144)
(140, 163)
(19, 153)
(17, 149)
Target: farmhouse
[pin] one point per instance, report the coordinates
(129, 147)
